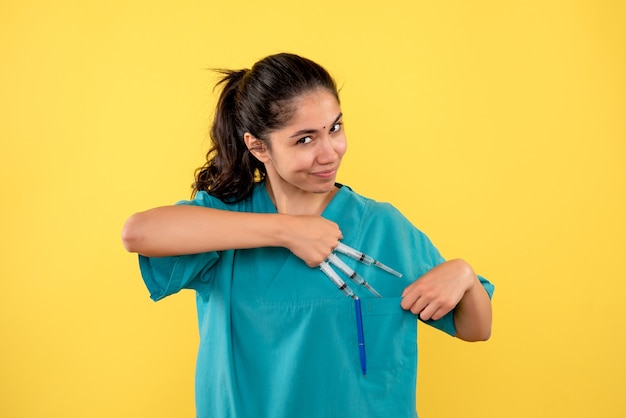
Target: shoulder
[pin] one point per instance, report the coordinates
(370, 206)
(248, 204)
(383, 218)
(206, 200)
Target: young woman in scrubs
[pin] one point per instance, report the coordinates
(277, 338)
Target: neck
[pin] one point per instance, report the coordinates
(294, 201)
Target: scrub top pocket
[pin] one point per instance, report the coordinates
(390, 335)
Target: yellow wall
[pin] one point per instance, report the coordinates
(497, 127)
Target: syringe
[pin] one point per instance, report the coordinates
(353, 275)
(363, 258)
(334, 277)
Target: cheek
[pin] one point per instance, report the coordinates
(294, 162)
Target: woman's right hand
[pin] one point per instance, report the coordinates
(312, 238)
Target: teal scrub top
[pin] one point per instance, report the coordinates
(279, 340)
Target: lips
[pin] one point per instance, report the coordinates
(325, 173)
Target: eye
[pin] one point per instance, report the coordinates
(336, 127)
(304, 140)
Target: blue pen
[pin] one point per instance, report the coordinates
(359, 331)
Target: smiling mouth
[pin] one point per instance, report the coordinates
(325, 173)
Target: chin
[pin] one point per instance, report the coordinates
(324, 189)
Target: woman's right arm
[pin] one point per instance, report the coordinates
(185, 229)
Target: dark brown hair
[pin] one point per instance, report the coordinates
(257, 100)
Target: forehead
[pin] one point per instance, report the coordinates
(315, 107)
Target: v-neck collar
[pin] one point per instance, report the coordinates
(329, 209)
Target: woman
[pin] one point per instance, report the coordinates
(277, 339)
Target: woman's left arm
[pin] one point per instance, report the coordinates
(452, 284)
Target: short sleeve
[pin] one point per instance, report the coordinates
(424, 256)
(446, 323)
(165, 276)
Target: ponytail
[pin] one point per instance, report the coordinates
(231, 170)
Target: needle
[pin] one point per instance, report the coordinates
(365, 259)
(353, 275)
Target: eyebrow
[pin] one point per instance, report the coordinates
(312, 131)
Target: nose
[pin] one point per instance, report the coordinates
(327, 153)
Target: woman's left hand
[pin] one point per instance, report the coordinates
(438, 291)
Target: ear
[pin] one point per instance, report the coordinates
(256, 147)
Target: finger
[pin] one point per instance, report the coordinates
(410, 288)
(440, 313)
(438, 310)
(408, 300)
(419, 306)
(428, 312)
(410, 295)
(414, 303)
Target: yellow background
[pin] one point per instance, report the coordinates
(498, 128)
